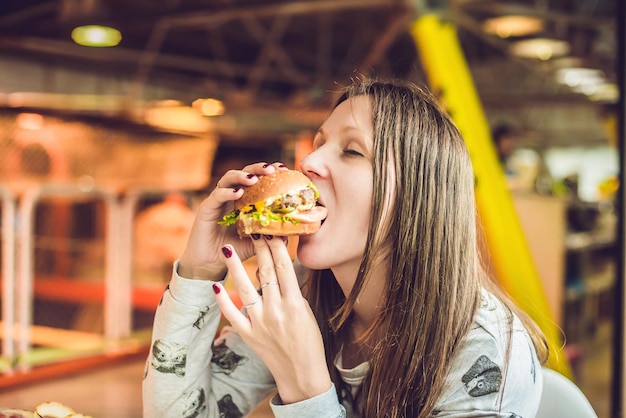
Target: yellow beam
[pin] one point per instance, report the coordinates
(450, 78)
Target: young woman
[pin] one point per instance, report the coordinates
(392, 314)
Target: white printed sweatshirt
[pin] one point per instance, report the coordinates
(190, 373)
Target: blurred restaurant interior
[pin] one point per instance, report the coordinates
(110, 139)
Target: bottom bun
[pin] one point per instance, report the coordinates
(247, 226)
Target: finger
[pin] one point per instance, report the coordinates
(246, 290)
(247, 176)
(237, 319)
(234, 179)
(219, 196)
(280, 166)
(283, 267)
(261, 168)
(266, 270)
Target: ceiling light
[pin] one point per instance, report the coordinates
(540, 48)
(589, 81)
(209, 107)
(575, 77)
(606, 92)
(96, 36)
(513, 25)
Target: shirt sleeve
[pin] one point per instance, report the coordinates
(325, 405)
(191, 373)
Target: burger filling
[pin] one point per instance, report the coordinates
(279, 208)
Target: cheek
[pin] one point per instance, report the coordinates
(360, 200)
(355, 217)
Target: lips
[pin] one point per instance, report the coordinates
(320, 203)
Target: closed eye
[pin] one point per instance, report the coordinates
(352, 152)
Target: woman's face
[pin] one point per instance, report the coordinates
(340, 166)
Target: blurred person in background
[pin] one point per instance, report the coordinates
(160, 235)
(387, 310)
(524, 167)
(505, 140)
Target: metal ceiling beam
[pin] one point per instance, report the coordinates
(17, 18)
(218, 17)
(393, 30)
(270, 52)
(206, 67)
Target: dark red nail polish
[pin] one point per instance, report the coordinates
(282, 166)
(216, 289)
(266, 165)
(251, 176)
(228, 252)
(255, 236)
(236, 189)
(268, 237)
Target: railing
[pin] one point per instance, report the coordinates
(21, 284)
(9, 211)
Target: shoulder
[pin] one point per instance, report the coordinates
(495, 367)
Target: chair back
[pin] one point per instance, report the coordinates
(561, 398)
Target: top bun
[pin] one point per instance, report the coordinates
(272, 185)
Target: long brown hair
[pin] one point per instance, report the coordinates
(423, 227)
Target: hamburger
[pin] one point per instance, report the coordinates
(283, 203)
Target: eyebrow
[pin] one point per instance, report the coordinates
(321, 130)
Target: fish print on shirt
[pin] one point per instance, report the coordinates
(200, 321)
(169, 357)
(227, 408)
(225, 359)
(193, 402)
(483, 378)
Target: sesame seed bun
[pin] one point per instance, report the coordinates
(272, 185)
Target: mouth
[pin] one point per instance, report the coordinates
(319, 203)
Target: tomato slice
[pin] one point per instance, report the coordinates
(310, 216)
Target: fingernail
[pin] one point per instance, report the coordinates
(255, 236)
(286, 241)
(236, 189)
(228, 252)
(266, 165)
(268, 237)
(250, 176)
(217, 289)
(282, 166)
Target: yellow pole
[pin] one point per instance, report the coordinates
(450, 78)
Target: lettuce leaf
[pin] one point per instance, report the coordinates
(230, 219)
(265, 217)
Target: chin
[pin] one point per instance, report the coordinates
(308, 252)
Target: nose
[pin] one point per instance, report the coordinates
(313, 164)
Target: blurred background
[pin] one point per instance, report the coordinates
(116, 117)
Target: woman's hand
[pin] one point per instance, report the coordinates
(201, 258)
(279, 327)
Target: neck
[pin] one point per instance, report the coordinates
(368, 303)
